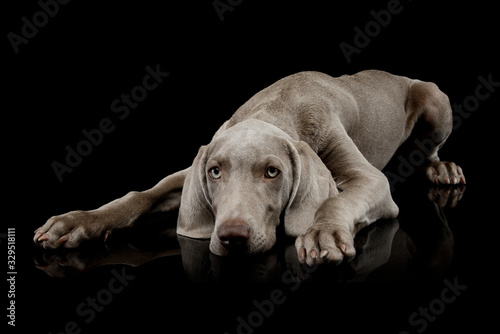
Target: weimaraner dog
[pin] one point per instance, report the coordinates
(307, 150)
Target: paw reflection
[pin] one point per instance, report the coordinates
(62, 264)
(446, 196)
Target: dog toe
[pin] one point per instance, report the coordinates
(325, 244)
(444, 172)
(68, 230)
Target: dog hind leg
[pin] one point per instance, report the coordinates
(430, 121)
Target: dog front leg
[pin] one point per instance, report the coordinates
(365, 199)
(71, 229)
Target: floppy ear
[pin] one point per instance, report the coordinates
(196, 218)
(312, 185)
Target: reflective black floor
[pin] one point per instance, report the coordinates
(416, 246)
(411, 274)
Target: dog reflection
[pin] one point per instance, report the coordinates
(419, 244)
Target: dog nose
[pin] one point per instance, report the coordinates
(233, 234)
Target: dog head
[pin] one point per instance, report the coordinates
(241, 182)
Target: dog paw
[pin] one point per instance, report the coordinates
(325, 244)
(444, 172)
(69, 230)
(446, 196)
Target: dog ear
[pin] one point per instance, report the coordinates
(196, 218)
(312, 184)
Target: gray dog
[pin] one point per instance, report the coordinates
(309, 146)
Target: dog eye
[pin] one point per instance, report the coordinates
(272, 172)
(215, 173)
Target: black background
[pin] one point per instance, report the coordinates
(65, 78)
